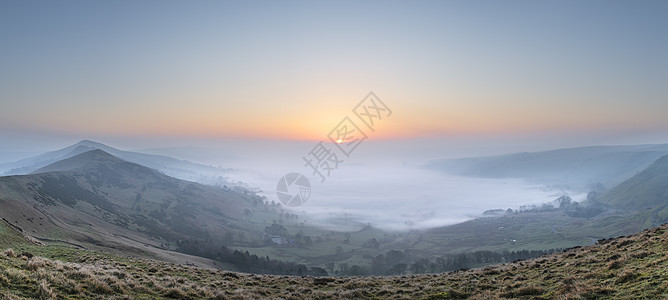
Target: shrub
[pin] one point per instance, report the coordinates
(9, 253)
(452, 294)
(37, 262)
(99, 287)
(525, 291)
(615, 264)
(16, 275)
(175, 293)
(624, 243)
(625, 277)
(44, 291)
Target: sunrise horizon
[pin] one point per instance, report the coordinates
(445, 69)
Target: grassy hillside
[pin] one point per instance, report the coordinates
(646, 189)
(627, 267)
(96, 200)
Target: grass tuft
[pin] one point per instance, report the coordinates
(635, 269)
(44, 291)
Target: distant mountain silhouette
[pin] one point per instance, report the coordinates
(181, 169)
(82, 160)
(99, 199)
(579, 168)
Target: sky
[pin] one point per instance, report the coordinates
(255, 85)
(592, 71)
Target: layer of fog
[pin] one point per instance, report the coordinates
(404, 197)
(383, 185)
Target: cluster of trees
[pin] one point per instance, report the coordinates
(591, 207)
(276, 229)
(395, 262)
(585, 209)
(247, 262)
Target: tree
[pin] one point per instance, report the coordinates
(393, 257)
(565, 202)
(301, 270)
(346, 239)
(420, 266)
(228, 237)
(398, 269)
(330, 266)
(356, 270)
(343, 268)
(247, 214)
(242, 237)
(276, 229)
(372, 243)
(378, 265)
(316, 271)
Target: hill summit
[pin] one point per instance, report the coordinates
(91, 157)
(97, 199)
(173, 167)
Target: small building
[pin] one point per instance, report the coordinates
(277, 239)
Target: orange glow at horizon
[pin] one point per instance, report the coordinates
(309, 117)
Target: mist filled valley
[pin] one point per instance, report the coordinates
(333, 149)
(85, 196)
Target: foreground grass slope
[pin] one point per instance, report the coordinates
(626, 267)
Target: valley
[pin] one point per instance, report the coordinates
(94, 202)
(163, 149)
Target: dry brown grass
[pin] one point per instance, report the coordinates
(9, 253)
(635, 266)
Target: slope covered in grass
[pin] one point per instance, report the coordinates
(626, 267)
(644, 190)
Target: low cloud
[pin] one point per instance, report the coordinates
(401, 197)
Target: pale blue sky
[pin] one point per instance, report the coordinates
(292, 69)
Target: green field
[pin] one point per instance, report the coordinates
(518, 231)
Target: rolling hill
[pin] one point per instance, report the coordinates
(95, 199)
(181, 169)
(578, 168)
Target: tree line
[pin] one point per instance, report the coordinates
(246, 262)
(395, 262)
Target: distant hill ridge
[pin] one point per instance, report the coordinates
(647, 189)
(579, 168)
(81, 160)
(178, 168)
